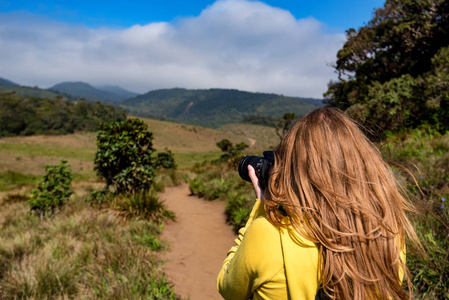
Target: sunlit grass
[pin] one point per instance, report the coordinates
(81, 253)
(186, 159)
(83, 154)
(10, 180)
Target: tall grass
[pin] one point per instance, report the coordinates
(81, 253)
(426, 154)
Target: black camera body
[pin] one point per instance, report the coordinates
(262, 166)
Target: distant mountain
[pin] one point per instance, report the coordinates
(86, 91)
(25, 91)
(7, 82)
(118, 91)
(215, 107)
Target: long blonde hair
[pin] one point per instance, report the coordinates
(339, 193)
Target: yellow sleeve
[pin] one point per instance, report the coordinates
(253, 259)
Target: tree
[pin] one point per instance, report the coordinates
(230, 150)
(285, 124)
(389, 69)
(125, 156)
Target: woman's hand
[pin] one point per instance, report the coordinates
(257, 189)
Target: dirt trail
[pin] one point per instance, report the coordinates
(198, 241)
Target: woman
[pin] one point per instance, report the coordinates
(332, 221)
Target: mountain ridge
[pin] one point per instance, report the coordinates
(7, 82)
(215, 107)
(211, 108)
(81, 89)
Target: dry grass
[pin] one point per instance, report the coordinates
(264, 137)
(35, 165)
(181, 137)
(76, 140)
(190, 144)
(81, 253)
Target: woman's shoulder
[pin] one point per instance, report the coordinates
(263, 229)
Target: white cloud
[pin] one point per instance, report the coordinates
(237, 44)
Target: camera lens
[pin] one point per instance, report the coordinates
(249, 160)
(261, 165)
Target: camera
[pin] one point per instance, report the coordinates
(261, 165)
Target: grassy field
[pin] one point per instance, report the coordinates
(84, 252)
(189, 138)
(26, 157)
(261, 137)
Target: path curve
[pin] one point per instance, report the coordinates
(198, 242)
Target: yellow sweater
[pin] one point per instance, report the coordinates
(271, 263)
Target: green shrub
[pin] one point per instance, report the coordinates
(219, 181)
(238, 208)
(124, 156)
(53, 190)
(230, 150)
(97, 197)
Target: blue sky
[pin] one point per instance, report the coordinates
(339, 15)
(282, 46)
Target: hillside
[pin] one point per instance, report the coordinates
(125, 94)
(260, 137)
(214, 107)
(25, 157)
(6, 82)
(35, 115)
(90, 93)
(28, 91)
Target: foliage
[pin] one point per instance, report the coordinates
(260, 120)
(25, 91)
(215, 107)
(166, 160)
(230, 150)
(53, 190)
(32, 115)
(426, 153)
(97, 197)
(285, 123)
(124, 156)
(393, 72)
(125, 160)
